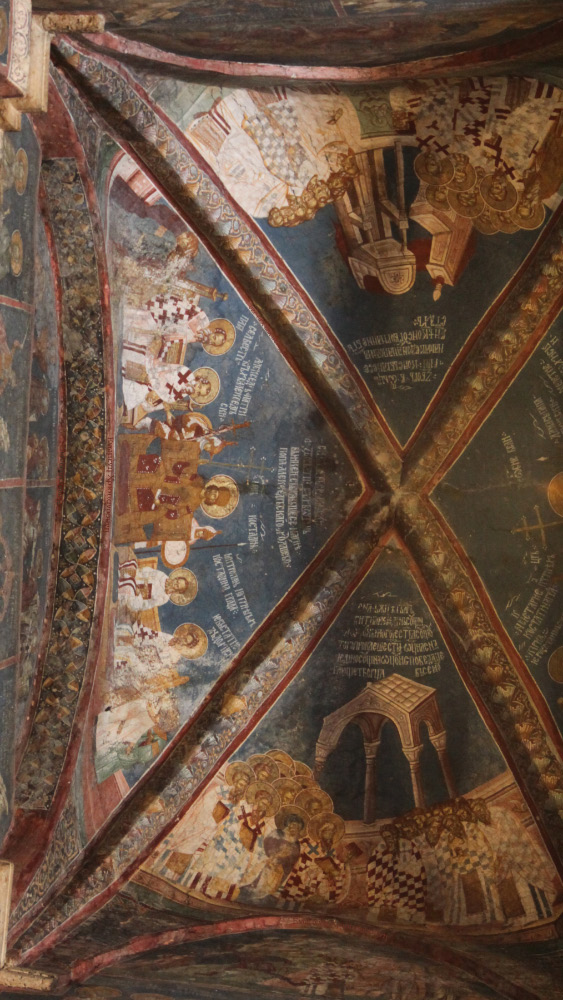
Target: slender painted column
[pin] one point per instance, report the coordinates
(369, 789)
(439, 741)
(413, 756)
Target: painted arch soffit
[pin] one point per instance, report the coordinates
(145, 445)
(290, 952)
(464, 614)
(329, 33)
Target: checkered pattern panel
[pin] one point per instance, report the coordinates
(389, 884)
(273, 134)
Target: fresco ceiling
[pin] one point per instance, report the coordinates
(281, 390)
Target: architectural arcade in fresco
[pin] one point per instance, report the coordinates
(281, 501)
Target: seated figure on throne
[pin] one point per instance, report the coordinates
(162, 492)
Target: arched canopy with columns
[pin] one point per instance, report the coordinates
(407, 704)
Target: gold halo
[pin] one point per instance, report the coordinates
(510, 198)
(213, 509)
(301, 768)
(188, 628)
(506, 225)
(182, 548)
(284, 762)
(291, 810)
(532, 221)
(421, 169)
(470, 211)
(555, 665)
(555, 494)
(280, 784)
(261, 760)
(188, 595)
(304, 780)
(263, 786)
(213, 377)
(230, 336)
(3, 31)
(21, 157)
(468, 179)
(305, 796)
(234, 768)
(437, 196)
(317, 822)
(488, 222)
(16, 253)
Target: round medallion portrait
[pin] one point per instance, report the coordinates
(555, 665)
(192, 639)
(206, 386)
(468, 204)
(433, 169)
(488, 222)
(464, 174)
(220, 337)
(437, 196)
(220, 496)
(16, 253)
(555, 494)
(21, 171)
(498, 191)
(182, 587)
(528, 213)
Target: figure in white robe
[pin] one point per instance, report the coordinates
(178, 318)
(142, 587)
(151, 383)
(235, 854)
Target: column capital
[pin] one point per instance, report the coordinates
(57, 24)
(19, 978)
(413, 754)
(371, 747)
(439, 741)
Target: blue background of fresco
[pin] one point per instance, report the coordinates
(295, 417)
